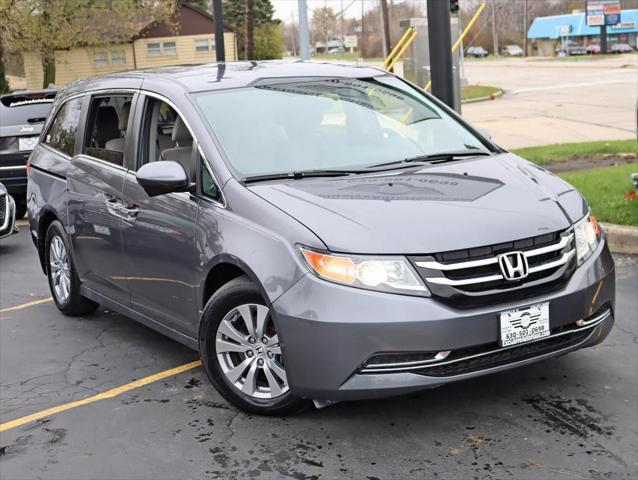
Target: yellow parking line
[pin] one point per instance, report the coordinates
(26, 305)
(114, 392)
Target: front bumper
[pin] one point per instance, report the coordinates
(328, 332)
(13, 172)
(16, 186)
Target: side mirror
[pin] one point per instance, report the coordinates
(158, 178)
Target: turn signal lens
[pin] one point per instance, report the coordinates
(339, 269)
(595, 224)
(385, 274)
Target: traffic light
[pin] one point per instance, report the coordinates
(454, 6)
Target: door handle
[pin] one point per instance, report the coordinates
(120, 209)
(111, 204)
(129, 212)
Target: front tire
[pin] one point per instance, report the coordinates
(239, 347)
(63, 278)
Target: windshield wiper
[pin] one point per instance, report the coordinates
(433, 158)
(300, 174)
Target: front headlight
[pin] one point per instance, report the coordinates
(383, 274)
(587, 234)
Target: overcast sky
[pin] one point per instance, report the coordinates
(285, 8)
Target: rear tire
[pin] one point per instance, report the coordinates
(240, 350)
(63, 278)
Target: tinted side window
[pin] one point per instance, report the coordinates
(165, 136)
(61, 133)
(106, 128)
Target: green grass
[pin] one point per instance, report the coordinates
(605, 189)
(566, 151)
(469, 92)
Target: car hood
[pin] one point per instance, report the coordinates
(427, 209)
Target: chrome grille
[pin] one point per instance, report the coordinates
(475, 274)
(4, 210)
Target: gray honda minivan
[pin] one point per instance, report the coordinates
(316, 232)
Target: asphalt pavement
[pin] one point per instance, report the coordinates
(556, 101)
(571, 417)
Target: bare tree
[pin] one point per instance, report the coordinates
(494, 32)
(44, 26)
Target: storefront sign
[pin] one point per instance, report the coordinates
(603, 12)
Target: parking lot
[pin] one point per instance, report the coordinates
(572, 417)
(554, 101)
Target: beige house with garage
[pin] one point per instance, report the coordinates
(190, 41)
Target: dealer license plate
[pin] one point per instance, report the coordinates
(27, 143)
(522, 325)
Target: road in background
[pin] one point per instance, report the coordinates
(556, 101)
(570, 417)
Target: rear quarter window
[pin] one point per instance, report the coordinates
(61, 132)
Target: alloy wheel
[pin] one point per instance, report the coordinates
(60, 269)
(249, 353)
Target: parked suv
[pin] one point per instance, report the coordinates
(513, 51)
(621, 48)
(476, 52)
(570, 49)
(22, 115)
(315, 231)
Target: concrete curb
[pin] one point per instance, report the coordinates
(621, 238)
(483, 99)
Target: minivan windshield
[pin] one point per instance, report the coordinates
(330, 123)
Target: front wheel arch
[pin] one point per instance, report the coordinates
(235, 265)
(46, 219)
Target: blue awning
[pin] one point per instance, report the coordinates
(576, 25)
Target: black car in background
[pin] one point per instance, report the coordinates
(22, 115)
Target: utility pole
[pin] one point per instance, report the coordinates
(325, 25)
(603, 39)
(363, 29)
(441, 51)
(387, 47)
(494, 34)
(343, 35)
(525, 27)
(249, 43)
(304, 37)
(293, 35)
(218, 17)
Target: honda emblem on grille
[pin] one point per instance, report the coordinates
(513, 265)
